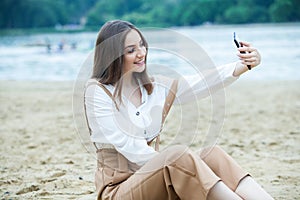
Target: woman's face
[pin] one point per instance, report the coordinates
(134, 53)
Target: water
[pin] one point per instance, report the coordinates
(27, 57)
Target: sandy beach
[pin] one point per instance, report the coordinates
(42, 156)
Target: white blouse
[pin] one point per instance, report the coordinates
(129, 128)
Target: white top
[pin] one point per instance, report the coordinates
(129, 129)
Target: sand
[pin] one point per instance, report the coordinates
(42, 156)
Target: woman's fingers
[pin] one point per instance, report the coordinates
(251, 57)
(252, 62)
(243, 43)
(246, 49)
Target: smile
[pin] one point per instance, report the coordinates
(140, 63)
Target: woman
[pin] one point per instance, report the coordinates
(125, 109)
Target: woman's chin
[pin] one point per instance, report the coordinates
(139, 69)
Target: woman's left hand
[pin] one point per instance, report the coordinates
(252, 57)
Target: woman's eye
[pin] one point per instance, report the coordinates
(131, 50)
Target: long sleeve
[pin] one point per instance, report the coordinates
(105, 129)
(207, 84)
(201, 86)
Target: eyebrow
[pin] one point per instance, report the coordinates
(133, 45)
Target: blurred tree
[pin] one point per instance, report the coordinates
(10, 13)
(164, 14)
(76, 9)
(264, 3)
(107, 10)
(48, 13)
(285, 10)
(246, 11)
(41, 13)
(201, 11)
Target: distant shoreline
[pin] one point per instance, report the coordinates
(60, 56)
(32, 31)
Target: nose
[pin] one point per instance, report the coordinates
(141, 52)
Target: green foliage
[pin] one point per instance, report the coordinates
(245, 14)
(41, 13)
(105, 10)
(48, 13)
(237, 14)
(285, 10)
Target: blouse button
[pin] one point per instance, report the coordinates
(137, 113)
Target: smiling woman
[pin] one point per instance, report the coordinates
(134, 62)
(121, 52)
(135, 52)
(125, 110)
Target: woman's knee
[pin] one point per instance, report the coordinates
(167, 157)
(177, 152)
(212, 152)
(181, 156)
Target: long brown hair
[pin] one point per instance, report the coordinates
(109, 56)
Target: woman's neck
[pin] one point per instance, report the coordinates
(131, 90)
(129, 81)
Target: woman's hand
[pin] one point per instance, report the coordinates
(251, 57)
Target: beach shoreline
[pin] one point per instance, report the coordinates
(42, 155)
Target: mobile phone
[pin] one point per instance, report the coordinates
(238, 44)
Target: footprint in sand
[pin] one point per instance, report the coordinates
(28, 189)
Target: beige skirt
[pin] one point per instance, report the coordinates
(176, 173)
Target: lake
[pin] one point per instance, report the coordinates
(28, 58)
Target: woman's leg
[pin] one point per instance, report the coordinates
(221, 192)
(249, 189)
(232, 174)
(223, 165)
(174, 173)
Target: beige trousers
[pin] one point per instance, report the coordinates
(176, 173)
